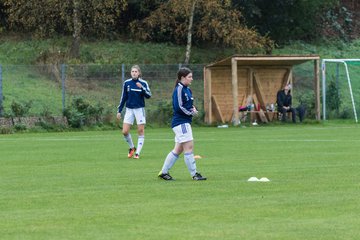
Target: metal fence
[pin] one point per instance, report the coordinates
(49, 89)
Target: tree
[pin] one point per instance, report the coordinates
(48, 18)
(2, 17)
(39, 17)
(137, 10)
(213, 21)
(285, 20)
(333, 97)
(75, 46)
(189, 34)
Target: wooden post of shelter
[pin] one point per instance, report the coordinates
(207, 94)
(317, 88)
(234, 82)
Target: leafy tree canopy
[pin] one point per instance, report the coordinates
(46, 18)
(284, 20)
(214, 21)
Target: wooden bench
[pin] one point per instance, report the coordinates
(261, 116)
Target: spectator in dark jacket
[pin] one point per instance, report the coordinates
(284, 101)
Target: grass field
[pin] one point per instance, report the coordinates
(80, 185)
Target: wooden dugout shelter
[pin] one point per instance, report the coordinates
(229, 83)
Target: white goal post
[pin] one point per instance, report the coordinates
(323, 68)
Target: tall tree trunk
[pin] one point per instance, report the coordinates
(189, 34)
(75, 46)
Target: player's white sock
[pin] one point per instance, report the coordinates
(129, 140)
(190, 162)
(140, 144)
(169, 162)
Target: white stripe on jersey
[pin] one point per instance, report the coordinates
(179, 90)
(135, 90)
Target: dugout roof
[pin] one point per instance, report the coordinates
(265, 60)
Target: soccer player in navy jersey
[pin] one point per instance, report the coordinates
(184, 110)
(134, 92)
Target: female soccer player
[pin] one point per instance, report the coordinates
(134, 92)
(184, 110)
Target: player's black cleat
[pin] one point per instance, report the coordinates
(198, 177)
(165, 176)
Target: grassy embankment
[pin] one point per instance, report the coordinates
(21, 83)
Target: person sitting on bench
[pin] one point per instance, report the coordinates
(284, 101)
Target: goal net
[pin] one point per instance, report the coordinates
(340, 88)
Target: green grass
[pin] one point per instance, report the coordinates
(22, 51)
(16, 50)
(25, 83)
(335, 49)
(80, 185)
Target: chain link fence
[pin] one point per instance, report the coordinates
(50, 89)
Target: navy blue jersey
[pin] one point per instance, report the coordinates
(182, 105)
(132, 95)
